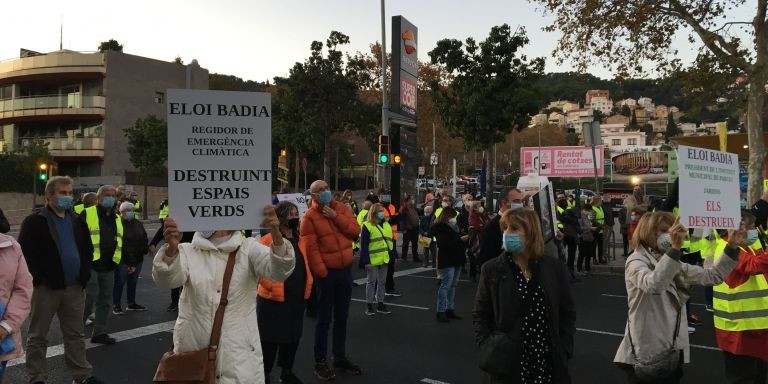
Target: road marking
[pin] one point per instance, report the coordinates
(406, 272)
(395, 305)
(622, 335)
(624, 297)
(433, 381)
(58, 350)
(435, 278)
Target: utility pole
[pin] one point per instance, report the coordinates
(434, 166)
(384, 106)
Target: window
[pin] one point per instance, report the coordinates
(159, 97)
(631, 141)
(616, 142)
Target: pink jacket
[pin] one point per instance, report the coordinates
(15, 291)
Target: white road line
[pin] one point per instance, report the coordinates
(433, 381)
(435, 278)
(622, 335)
(624, 297)
(58, 350)
(395, 305)
(406, 272)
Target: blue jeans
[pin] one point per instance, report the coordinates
(447, 291)
(334, 292)
(122, 277)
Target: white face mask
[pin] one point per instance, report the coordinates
(481, 210)
(664, 242)
(452, 221)
(444, 204)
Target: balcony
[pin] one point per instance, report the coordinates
(51, 107)
(62, 147)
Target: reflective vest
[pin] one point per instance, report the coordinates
(137, 206)
(92, 219)
(79, 208)
(560, 211)
(361, 217)
(163, 212)
(745, 307)
(571, 203)
(380, 243)
(599, 215)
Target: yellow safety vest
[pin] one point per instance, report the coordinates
(745, 307)
(92, 219)
(571, 203)
(380, 243)
(137, 206)
(599, 215)
(163, 212)
(560, 211)
(361, 217)
(79, 208)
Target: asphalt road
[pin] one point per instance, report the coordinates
(408, 346)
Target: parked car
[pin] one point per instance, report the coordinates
(624, 171)
(657, 170)
(640, 171)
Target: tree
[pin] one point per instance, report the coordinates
(622, 33)
(178, 60)
(319, 98)
(626, 111)
(633, 122)
(672, 129)
(597, 115)
(649, 137)
(110, 45)
(492, 91)
(148, 148)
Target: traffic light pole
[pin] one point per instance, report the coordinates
(34, 189)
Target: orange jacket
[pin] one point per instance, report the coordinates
(390, 211)
(328, 242)
(275, 291)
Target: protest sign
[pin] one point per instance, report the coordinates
(298, 199)
(709, 188)
(219, 158)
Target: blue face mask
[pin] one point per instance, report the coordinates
(515, 205)
(512, 243)
(64, 202)
(130, 215)
(325, 197)
(752, 236)
(380, 215)
(108, 202)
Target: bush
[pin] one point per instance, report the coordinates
(17, 173)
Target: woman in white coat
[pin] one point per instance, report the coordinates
(199, 268)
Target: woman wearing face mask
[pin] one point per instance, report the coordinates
(634, 217)
(658, 285)
(135, 246)
(452, 247)
(478, 218)
(586, 240)
(376, 249)
(280, 305)
(199, 267)
(524, 316)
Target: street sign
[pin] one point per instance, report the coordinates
(421, 171)
(591, 133)
(304, 164)
(433, 159)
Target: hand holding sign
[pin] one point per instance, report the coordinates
(273, 224)
(172, 237)
(678, 234)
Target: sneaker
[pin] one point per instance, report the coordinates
(323, 372)
(103, 339)
(88, 321)
(694, 320)
(287, 377)
(347, 366)
(117, 310)
(441, 317)
(393, 293)
(135, 308)
(710, 308)
(369, 310)
(381, 308)
(90, 380)
(691, 329)
(452, 315)
(172, 308)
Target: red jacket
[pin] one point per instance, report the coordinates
(753, 342)
(328, 242)
(275, 291)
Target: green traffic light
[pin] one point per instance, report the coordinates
(384, 159)
(43, 176)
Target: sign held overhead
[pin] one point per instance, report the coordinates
(709, 180)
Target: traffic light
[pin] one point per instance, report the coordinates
(396, 159)
(42, 171)
(384, 155)
(283, 152)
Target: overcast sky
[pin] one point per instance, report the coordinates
(260, 39)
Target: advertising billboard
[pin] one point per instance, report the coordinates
(561, 161)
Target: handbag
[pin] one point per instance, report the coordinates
(198, 367)
(661, 368)
(425, 241)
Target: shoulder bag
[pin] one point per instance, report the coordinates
(198, 367)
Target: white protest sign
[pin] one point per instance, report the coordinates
(219, 158)
(301, 201)
(709, 188)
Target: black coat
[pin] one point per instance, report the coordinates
(452, 250)
(498, 316)
(490, 247)
(38, 239)
(135, 243)
(4, 225)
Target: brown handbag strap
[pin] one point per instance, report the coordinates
(219, 318)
